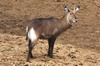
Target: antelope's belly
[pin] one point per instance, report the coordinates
(45, 36)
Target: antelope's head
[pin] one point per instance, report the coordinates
(71, 14)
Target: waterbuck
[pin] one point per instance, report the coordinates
(48, 28)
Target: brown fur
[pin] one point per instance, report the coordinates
(49, 28)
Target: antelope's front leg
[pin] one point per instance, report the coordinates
(51, 42)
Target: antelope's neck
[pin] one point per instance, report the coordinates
(65, 23)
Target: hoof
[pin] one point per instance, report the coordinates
(31, 56)
(51, 56)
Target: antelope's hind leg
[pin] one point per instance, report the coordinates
(30, 47)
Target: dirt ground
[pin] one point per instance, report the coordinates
(78, 46)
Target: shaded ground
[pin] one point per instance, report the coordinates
(78, 46)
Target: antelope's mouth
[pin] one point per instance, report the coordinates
(76, 20)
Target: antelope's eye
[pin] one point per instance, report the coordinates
(70, 13)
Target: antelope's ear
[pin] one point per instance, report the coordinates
(67, 9)
(77, 8)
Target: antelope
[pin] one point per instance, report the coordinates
(49, 29)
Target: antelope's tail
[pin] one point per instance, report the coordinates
(26, 33)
